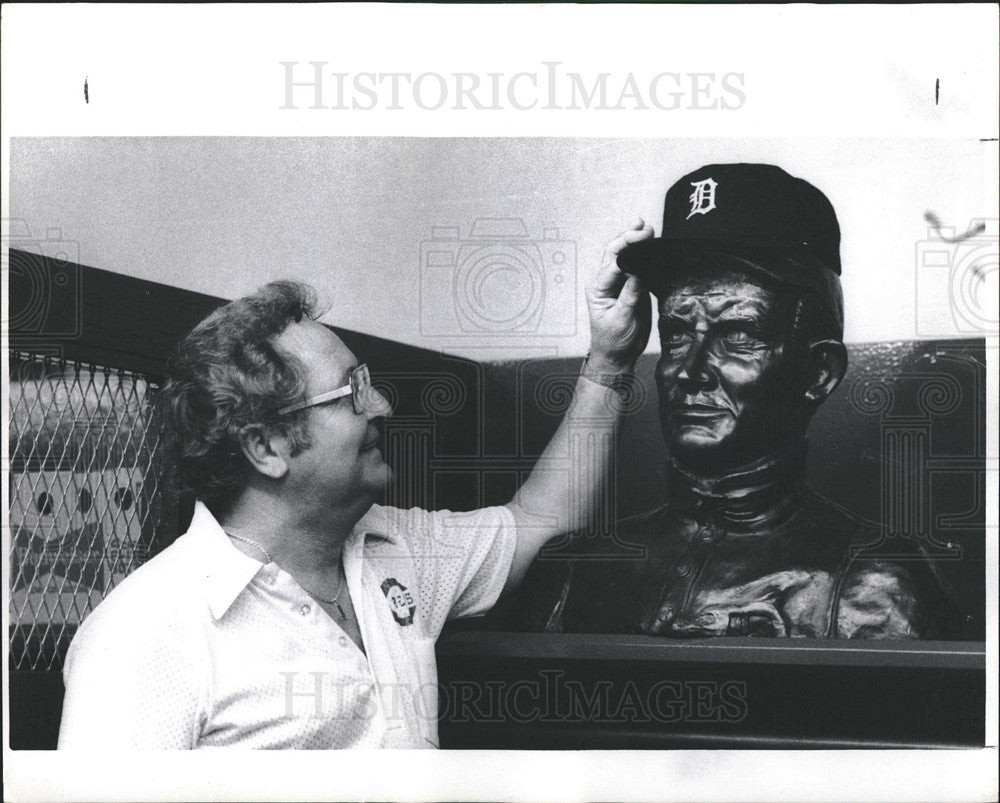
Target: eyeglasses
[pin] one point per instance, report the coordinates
(366, 399)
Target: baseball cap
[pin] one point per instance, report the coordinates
(756, 215)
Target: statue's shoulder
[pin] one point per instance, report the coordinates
(838, 520)
(587, 547)
(889, 587)
(646, 519)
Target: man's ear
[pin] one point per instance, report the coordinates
(827, 366)
(265, 450)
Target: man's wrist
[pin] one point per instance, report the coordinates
(605, 364)
(606, 372)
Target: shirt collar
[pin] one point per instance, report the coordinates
(227, 570)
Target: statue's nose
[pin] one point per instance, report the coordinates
(695, 366)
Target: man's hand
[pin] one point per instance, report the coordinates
(620, 308)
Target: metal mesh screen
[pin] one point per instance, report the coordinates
(85, 499)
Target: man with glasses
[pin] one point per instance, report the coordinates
(295, 612)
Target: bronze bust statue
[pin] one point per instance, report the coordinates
(746, 274)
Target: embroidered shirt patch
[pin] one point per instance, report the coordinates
(400, 601)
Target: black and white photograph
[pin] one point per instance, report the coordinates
(671, 453)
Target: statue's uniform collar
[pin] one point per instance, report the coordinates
(751, 497)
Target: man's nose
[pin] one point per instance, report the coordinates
(376, 405)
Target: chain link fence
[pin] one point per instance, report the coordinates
(87, 504)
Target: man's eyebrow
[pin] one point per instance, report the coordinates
(345, 377)
(351, 370)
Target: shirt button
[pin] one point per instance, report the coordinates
(342, 641)
(683, 570)
(705, 535)
(304, 610)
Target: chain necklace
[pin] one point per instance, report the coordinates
(340, 586)
(252, 543)
(340, 589)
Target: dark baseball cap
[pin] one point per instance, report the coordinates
(755, 216)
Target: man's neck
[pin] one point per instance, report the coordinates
(305, 543)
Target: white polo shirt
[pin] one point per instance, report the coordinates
(204, 646)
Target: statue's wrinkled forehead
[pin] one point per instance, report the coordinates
(714, 294)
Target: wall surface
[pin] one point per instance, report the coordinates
(384, 226)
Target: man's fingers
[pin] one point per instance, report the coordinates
(610, 279)
(633, 292)
(639, 231)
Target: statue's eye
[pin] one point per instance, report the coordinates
(739, 336)
(674, 340)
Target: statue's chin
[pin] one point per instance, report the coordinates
(707, 449)
(708, 435)
(713, 444)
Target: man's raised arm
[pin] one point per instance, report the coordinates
(560, 495)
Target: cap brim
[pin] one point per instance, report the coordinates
(657, 260)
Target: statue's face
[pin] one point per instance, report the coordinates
(729, 393)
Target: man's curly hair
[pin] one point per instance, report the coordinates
(225, 375)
